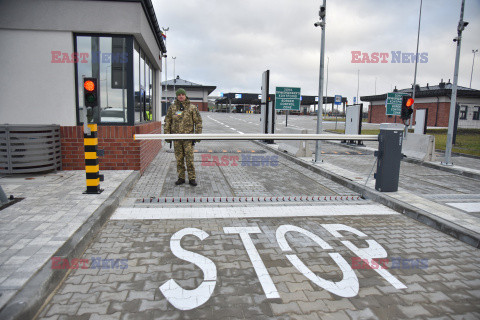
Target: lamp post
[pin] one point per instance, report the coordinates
(453, 100)
(106, 83)
(326, 84)
(174, 77)
(321, 24)
(358, 84)
(166, 74)
(473, 63)
(106, 76)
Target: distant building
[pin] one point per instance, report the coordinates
(197, 93)
(437, 100)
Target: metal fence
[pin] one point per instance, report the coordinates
(30, 148)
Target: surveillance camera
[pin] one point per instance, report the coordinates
(322, 12)
(317, 24)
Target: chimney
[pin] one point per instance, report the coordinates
(441, 84)
(395, 90)
(428, 86)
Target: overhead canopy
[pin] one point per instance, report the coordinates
(254, 98)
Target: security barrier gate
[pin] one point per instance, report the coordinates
(388, 158)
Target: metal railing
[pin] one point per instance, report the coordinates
(254, 136)
(30, 148)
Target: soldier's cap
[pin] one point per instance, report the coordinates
(180, 91)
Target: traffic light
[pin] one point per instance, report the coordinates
(407, 107)
(90, 92)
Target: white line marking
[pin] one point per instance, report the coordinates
(249, 212)
(466, 206)
(262, 272)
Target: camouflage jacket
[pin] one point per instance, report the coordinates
(183, 118)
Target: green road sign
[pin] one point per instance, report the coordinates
(287, 98)
(394, 103)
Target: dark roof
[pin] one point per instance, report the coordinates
(252, 98)
(441, 90)
(181, 83)
(152, 20)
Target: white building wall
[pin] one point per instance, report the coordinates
(32, 89)
(471, 106)
(31, 29)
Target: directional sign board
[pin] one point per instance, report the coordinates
(394, 103)
(287, 98)
(338, 99)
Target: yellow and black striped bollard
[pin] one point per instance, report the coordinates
(91, 160)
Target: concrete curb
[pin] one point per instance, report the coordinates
(422, 216)
(30, 298)
(466, 173)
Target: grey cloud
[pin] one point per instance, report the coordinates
(230, 43)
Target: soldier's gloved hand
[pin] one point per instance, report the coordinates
(168, 141)
(193, 142)
(198, 141)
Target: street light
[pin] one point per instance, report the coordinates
(106, 79)
(174, 77)
(321, 24)
(165, 56)
(471, 74)
(453, 100)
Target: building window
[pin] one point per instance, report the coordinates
(107, 61)
(126, 78)
(143, 86)
(476, 113)
(463, 112)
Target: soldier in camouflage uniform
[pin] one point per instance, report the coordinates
(183, 117)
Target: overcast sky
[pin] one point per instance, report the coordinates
(229, 43)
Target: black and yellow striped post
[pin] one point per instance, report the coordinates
(91, 160)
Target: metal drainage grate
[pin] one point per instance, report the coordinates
(248, 199)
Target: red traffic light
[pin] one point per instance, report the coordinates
(89, 85)
(409, 102)
(90, 92)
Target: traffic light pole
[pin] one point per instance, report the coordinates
(416, 62)
(453, 99)
(91, 100)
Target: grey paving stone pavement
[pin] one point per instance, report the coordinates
(36, 228)
(54, 209)
(447, 288)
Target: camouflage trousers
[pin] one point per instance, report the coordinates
(184, 155)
